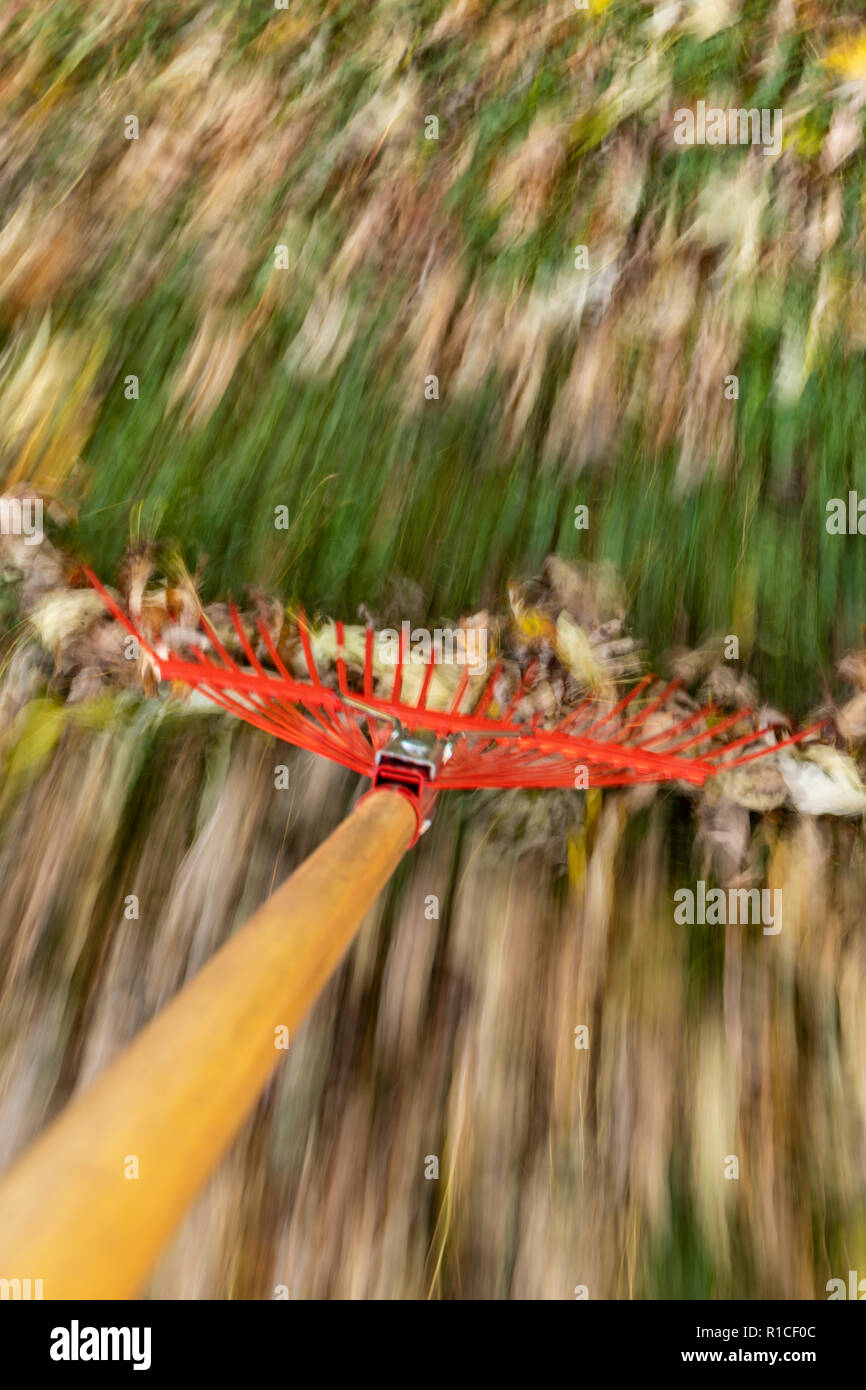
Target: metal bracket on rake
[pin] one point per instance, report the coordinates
(409, 764)
(420, 751)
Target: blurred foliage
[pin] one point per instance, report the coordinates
(558, 387)
(409, 256)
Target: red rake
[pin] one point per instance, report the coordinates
(422, 751)
(178, 1095)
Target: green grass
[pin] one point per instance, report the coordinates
(377, 490)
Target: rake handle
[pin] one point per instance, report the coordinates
(179, 1093)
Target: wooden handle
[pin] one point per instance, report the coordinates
(70, 1214)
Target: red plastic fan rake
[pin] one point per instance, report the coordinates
(421, 750)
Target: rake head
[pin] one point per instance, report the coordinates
(473, 741)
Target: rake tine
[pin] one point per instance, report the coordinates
(397, 684)
(308, 651)
(684, 724)
(487, 694)
(421, 703)
(249, 653)
(210, 632)
(644, 714)
(617, 709)
(461, 691)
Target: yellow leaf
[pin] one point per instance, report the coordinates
(577, 858)
(33, 735)
(573, 649)
(849, 59)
